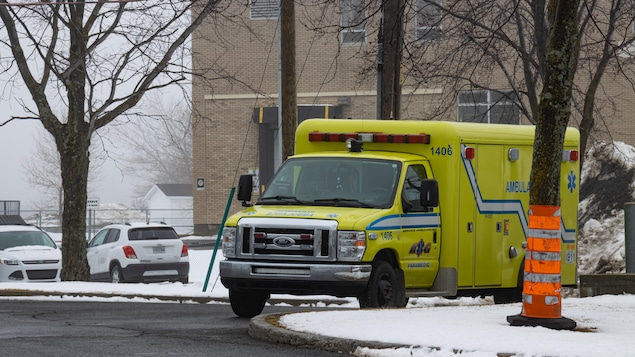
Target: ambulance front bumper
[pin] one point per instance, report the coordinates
(296, 279)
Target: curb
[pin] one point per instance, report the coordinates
(268, 328)
(198, 299)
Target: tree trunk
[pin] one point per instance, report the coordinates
(74, 164)
(73, 141)
(555, 103)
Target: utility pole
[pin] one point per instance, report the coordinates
(391, 45)
(288, 107)
(380, 66)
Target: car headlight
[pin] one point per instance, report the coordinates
(229, 242)
(9, 261)
(351, 245)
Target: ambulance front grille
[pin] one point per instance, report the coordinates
(282, 243)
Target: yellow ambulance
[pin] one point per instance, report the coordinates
(388, 210)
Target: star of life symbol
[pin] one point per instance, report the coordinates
(571, 185)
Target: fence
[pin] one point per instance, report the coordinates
(50, 220)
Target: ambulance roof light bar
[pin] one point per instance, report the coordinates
(422, 138)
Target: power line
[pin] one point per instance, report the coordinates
(65, 2)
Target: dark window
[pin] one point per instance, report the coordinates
(152, 233)
(264, 9)
(352, 21)
(428, 20)
(113, 236)
(411, 194)
(25, 238)
(488, 106)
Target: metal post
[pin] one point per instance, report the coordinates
(219, 237)
(90, 223)
(629, 236)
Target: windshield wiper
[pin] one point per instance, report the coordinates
(344, 202)
(281, 199)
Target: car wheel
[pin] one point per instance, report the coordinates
(384, 288)
(247, 303)
(115, 275)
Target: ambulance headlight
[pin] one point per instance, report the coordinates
(229, 242)
(351, 245)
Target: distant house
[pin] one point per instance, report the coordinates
(170, 203)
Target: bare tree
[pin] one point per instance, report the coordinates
(159, 145)
(97, 60)
(42, 170)
(501, 46)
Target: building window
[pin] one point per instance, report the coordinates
(353, 22)
(428, 20)
(264, 9)
(486, 106)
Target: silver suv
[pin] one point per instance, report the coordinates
(142, 252)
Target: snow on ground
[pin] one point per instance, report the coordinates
(472, 327)
(604, 328)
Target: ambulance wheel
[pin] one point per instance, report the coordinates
(384, 289)
(246, 303)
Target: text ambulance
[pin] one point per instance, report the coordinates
(387, 210)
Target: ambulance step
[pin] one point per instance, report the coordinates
(410, 293)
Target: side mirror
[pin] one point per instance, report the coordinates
(429, 193)
(245, 184)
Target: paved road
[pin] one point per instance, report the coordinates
(35, 328)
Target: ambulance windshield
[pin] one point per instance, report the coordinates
(334, 181)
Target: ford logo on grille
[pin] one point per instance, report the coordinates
(283, 242)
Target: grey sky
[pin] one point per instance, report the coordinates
(17, 139)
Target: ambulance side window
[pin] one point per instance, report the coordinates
(410, 193)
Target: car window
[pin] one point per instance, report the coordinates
(412, 184)
(99, 238)
(25, 238)
(113, 236)
(152, 233)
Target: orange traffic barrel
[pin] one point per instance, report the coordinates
(542, 300)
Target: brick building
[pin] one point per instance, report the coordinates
(235, 87)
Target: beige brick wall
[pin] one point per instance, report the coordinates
(237, 71)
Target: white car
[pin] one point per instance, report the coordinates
(143, 252)
(27, 253)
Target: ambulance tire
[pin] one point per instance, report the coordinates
(246, 303)
(385, 288)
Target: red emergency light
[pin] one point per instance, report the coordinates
(468, 153)
(570, 155)
(335, 137)
(371, 137)
(402, 139)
